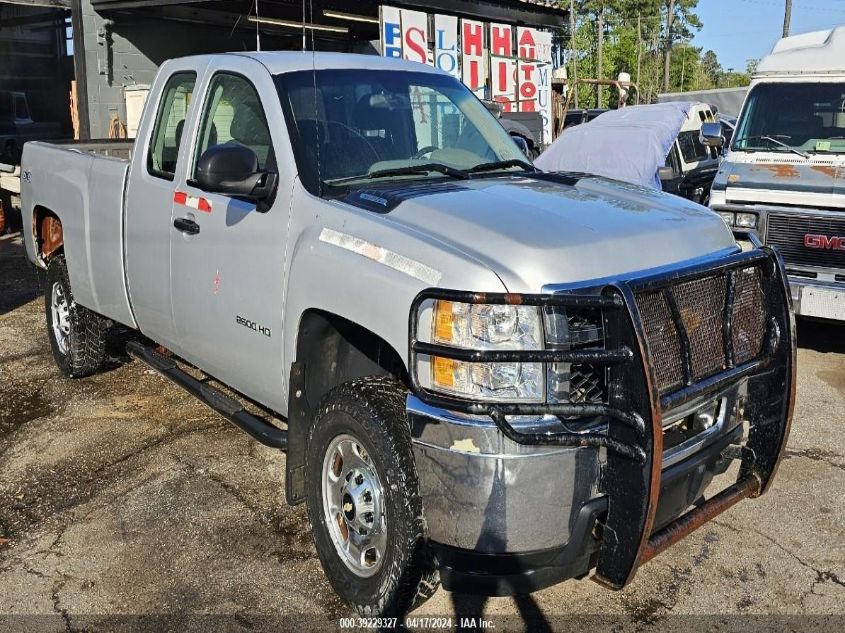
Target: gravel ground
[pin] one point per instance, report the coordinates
(127, 505)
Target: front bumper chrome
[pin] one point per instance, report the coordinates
(482, 491)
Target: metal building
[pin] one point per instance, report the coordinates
(124, 41)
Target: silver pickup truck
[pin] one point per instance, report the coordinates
(482, 374)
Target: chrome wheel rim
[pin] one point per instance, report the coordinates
(353, 506)
(61, 317)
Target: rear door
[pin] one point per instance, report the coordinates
(149, 199)
(227, 269)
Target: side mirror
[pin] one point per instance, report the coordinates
(666, 173)
(233, 169)
(712, 134)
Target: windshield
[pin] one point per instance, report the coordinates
(782, 117)
(350, 127)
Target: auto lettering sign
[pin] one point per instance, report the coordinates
(501, 62)
(446, 44)
(391, 32)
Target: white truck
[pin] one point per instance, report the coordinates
(783, 176)
(481, 373)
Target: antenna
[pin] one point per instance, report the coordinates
(316, 94)
(303, 26)
(257, 30)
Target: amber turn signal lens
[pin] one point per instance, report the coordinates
(443, 321)
(444, 371)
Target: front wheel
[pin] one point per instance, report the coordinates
(77, 335)
(363, 500)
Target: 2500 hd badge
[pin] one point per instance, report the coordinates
(252, 325)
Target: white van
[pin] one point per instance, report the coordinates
(784, 174)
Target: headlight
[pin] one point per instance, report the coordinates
(728, 217)
(746, 220)
(487, 327)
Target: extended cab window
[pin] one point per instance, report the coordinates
(170, 123)
(233, 114)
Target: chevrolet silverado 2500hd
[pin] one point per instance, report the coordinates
(487, 375)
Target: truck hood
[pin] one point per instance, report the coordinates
(533, 232)
(770, 178)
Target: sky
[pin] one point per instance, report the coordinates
(739, 30)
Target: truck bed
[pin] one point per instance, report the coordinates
(114, 148)
(83, 183)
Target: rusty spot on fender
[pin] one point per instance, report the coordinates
(513, 299)
(827, 170)
(780, 170)
(52, 235)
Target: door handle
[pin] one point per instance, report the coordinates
(186, 225)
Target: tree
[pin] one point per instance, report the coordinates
(711, 69)
(670, 42)
(634, 40)
(787, 18)
(685, 72)
(680, 23)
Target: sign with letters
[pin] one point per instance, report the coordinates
(414, 36)
(502, 62)
(391, 32)
(446, 44)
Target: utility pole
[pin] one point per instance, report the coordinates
(599, 64)
(787, 18)
(667, 56)
(572, 53)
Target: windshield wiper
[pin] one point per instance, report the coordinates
(773, 138)
(423, 168)
(502, 164)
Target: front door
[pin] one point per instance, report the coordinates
(227, 255)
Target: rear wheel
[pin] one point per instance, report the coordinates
(363, 499)
(77, 335)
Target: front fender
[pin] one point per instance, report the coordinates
(361, 266)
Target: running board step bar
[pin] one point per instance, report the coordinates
(259, 429)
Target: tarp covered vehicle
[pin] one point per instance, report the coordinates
(650, 145)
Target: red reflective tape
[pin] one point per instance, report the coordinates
(200, 204)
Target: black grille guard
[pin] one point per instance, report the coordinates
(634, 408)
